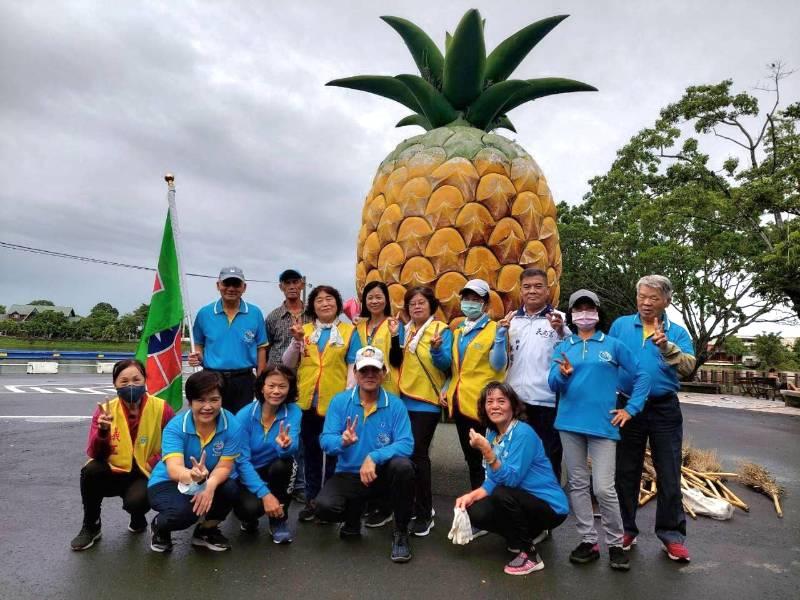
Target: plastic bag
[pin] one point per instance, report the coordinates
(703, 505)
(461, 531)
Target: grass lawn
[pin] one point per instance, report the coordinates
(13, 343)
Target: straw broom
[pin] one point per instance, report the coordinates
(758, 478)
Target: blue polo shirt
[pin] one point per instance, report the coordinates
(230, 345)
(180, 438)
(663, 377)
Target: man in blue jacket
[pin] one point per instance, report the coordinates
(665, 353)
(368, 429)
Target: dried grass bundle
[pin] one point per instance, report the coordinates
(759, 478)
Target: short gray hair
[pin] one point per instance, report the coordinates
(658, 282)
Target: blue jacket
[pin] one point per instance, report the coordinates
(383, 435)
(663, 377)
(590, 393)
(524, 465)
(258, 447)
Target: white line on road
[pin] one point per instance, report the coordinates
(15, 389)
(45, 418)
(67, 391)
(41, 390)
(92, 391)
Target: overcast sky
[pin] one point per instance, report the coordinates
(100, 99)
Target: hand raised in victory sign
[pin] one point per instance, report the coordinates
(283, 439)
(659, 338)
(296, 330)
(506, 321)
(436, 340)
(477, 441)
(394, 325)
(565, 366)
(105, 418)
(349, 435)
(198, 472)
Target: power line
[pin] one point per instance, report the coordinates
(100, 261)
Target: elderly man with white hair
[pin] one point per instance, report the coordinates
(664, 351)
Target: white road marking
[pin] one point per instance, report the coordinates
(41, 390)
(15, 389)
(45, 418)
(92, 391)
(67, 390)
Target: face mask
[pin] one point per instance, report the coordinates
(131, 394)
(471, 309)
(585, 319)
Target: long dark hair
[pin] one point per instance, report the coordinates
(387, 310)
(258, 386)
(517, 406)
(310, 312)
(121, 365)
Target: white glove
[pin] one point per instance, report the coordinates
(461, 531)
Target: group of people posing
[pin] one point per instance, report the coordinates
(340, 415)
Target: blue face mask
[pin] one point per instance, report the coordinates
(471, 309)
(132, 394)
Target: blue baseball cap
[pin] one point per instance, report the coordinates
(289, 274)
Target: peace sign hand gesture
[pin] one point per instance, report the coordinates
(506, 321)
(436, 340)
(565, 366)
(349, 435)
(659, 338)
(105, 418)
(283, 439)
(394, 325)
(198, 472)
(296, 330)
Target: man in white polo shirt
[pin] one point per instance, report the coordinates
(533, 331)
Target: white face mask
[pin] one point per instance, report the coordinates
(585, 319)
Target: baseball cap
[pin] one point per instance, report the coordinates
(231, 273)
(580, 294)
(289, 274)
(479, 286)
(369, 356)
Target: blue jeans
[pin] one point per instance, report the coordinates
(175, 509)
(661, 422)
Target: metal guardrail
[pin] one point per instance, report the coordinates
(66, 355)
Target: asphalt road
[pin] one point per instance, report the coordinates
(754, 555)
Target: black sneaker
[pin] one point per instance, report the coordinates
(248, 526)
(379, 518)
(618, 559)
(86, 538)
(585, 552)
(138, 524)
(159, 541)
(401, 550)
(299, 496)
(211, 538)
(308, 513)
(422, 526)
(352, 530)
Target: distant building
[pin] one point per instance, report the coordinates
(23, 312)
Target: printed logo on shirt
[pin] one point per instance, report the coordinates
(383, 438)
(143, 440)
(605, 356)
(249, 336)
(478, 346)
(218, 447)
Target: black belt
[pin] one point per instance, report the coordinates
(233, 372)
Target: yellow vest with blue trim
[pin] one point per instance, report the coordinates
(414, 383)
(322, 373)
(382, 340)
(471, 374)
(148, 436)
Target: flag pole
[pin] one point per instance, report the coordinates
(173, 213)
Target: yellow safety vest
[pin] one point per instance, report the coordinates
(148, 436)
(382, 340)
(471, 374)
(414, 382)
(324, 374)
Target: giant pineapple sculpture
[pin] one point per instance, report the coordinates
(460, 202)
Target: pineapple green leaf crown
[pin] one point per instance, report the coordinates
(464, 86)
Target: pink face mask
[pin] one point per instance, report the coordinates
(585, 319)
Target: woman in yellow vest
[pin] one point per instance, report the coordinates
(424, 361)
(479, 357)
(375, 327)
(124, 445)
(323, 351)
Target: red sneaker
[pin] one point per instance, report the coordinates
(628, 540)
(677, 551)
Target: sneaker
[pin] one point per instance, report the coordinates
(522, 564)
(138, 524)
(585, 552)
(350, 530)
(628, 541)
(541, 537)
(379, 518)
(248, 526)
(86, 538)
(476, 533)
(308, 513)
(422, 526)
(401, 551)
(677, 551)
(299, 496)
(159, 541)
(618, 559)
(280, 532)
(211, 538)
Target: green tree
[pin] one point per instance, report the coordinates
(796, 352)
(103, 308)
(734, 346)
(41, 303)
(2, 309)
(769, 350)
(48, 324)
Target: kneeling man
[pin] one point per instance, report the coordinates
(368, 429)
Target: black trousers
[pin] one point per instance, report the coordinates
(279, 476)
(237, 388)
(98, 481)
(542, 419)
(660, 422)
(175, 509)
(311, 428)
(515, 514)
(344, 496)
(423, 426)
(473, 457)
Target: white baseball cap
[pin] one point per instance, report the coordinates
(369, 356)
(479, 286)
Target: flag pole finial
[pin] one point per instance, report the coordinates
(170, 179)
